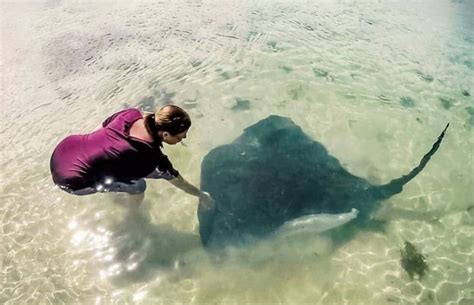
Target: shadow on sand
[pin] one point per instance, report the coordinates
(143, 249)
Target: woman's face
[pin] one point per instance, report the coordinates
(169, 139)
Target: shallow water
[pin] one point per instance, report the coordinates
(374, 81)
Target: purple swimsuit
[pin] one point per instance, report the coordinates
(81, 161)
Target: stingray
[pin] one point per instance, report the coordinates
(274, 174)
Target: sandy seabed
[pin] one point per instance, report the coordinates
(374, 81)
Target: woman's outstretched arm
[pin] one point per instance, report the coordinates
(184, 185)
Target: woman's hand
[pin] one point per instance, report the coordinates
(204, 197)
(206, 200)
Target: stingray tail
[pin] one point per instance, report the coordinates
(396, 185)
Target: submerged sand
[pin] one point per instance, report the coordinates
(375, 82)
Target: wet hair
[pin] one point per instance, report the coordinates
(169, 118)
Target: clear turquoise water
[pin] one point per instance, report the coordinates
(374, 81)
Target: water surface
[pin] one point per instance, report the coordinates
(374, 81)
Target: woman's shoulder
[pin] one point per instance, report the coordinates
(133, 113)
(129, 114)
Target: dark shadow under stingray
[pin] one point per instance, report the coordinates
(274, 173)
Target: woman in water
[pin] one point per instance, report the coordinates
(118, 156)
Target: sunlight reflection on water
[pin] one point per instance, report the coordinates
(372, 81)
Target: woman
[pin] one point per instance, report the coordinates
(118, 156)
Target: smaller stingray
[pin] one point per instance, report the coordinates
(273, 174)
(413, 261)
